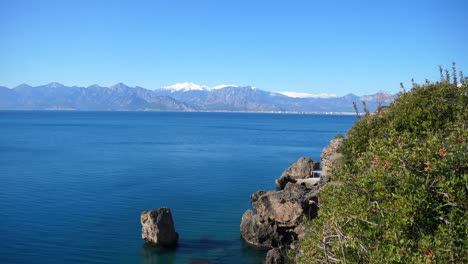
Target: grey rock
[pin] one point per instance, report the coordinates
(158, 227)
(331, 159)
(279, 216)
(287, 207)
(302, 169)
(279, 206)
(258, 231)
(256, 195)
(276, 256)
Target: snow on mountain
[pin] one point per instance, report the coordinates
(54, 85)
(307, 95)
(178, 97)
(187, 86)
(223, 86)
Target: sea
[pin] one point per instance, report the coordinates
(73, 184)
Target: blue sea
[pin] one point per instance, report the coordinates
(73, 184)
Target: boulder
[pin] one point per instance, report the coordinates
(331, 158)
(287, 207)
(279, 216)
(254, 196)
(297, 190)
(276, 256)
(310, 183)
(279, 206)
(302, 169)
(278, 221)
(158, 227)
(258, 231)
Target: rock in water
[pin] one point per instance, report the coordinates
(279, 216)
(302, 169)
(258, 231)
(158, 227)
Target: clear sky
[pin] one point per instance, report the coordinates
(303, 46)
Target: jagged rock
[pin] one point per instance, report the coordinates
(258, 231)
(276, 256)
(158, 227)
(331, 158)
(279, 206)
(302, 169)
(300, 231)
(256, 195)
(279, 216)
(310, 183)
(307, 197)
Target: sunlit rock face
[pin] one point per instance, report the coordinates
(158, 227)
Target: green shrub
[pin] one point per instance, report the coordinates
(338, 136)
(404, 179)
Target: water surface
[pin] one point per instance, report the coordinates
(73, 184)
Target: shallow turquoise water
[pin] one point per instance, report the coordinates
(73, 184)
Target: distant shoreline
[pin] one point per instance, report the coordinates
(191, 111)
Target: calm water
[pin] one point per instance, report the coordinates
(73, 184)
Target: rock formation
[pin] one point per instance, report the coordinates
(331, 158)
(279, 218)
(158, 227)
(302, 169)
(276, 256)
(258, 231)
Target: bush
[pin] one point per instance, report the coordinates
(403, 192)
(338, 136)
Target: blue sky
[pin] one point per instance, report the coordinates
(303, 46)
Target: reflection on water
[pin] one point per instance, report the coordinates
(251, 254)
(157, 255)
(217, 251)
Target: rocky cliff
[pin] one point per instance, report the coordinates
(279, 217)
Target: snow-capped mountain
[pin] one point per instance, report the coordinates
(186, 86)
(189, 86)
(178, 97)
(307, 95)
(223, 86)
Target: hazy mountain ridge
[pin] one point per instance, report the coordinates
(95, 97)
(56, 96)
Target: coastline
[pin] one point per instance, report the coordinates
(194, 111)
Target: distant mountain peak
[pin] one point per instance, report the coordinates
(120, 85)
(380, 96)
(94, 86)
(178, 97)
(307, 95)
(23, 85)
(55, 85)
(189, 86)
(217, 87)
(351, 95)
(186, 86)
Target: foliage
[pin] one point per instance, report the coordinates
(402, 192)
(338, 136)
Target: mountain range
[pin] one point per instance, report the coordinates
(178, 97)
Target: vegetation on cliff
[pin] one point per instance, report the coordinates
(400, 193)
